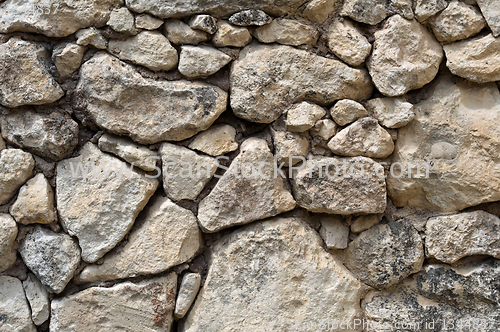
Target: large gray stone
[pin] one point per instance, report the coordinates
(491, 11)
(16, 167)
(14, 308)
(8, 233)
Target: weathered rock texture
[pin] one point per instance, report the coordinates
(15, 168)
(8, 235)
(14, 308)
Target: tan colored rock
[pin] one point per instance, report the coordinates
(346, 42)
(316, 79)
(278, 272)
(216, 141)
(405, 56)
(205, 23)
(365, 11)
(250, 17)
(35, 202)
(303, 116)
(164, 236)
(149, 49)
(122, 20)
(248, 191)
(24, 68)
(289, 146)
(428, 8)
(230, 35)
(365, 137)
(187, 293)
(325, 129)
(8, 233)
(287, 32)
(2, 143)
(67, 57)
(185, 173)
(147, 22)
(341, 187)
(147, 110)
(347, 111)
(334, 232)
(91, 36)
(490, 10)
(201, 61)
(475, 59)
(391, 112)
(38, 298)
(362, 223)
(98, 199)
(143, 306)
(319, 10)
(14, 307)
(16, 167)
(180, 33)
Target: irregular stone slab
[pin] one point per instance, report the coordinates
(180, 33)
(343, 192)
(365, 137)
(98, 199)
(147, 22)
(149, 49)
(174, 110)
(490, 10)
(385, 254)
(205, 23)
(319, 10)
(458, 21)
(54, 18)
(250, 17)
(346, 42)
(16, 167)
(278, 268)
(52, 257)
(216, 141)
(35, 202)
(201, 61)
(287, 32)
(445, 128)
(51, 135)
(185, 173)
(325, 129)
(245, 194)
(362, 223)
(450, 238)
(262, 87)
(347, 111)
(38, 298)
(8, 233)
(24, 68)
(14, 308)
(303, 116)
(133, 153)
(187, 293)
(166, 235)
(67, 57)
(366, 11)
(91, 36)
(391, 112)
(122, 20)
(475, 59)
(427, 8)
(289, 146)
(142, 306)
(334, 232)
(405, 56)
(230, 35)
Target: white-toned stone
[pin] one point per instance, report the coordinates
(334, 232)
(303, 116)
(91, 36)
(149, 49)
(67, 57)
(122, 20)
(38, 298)
(230, 35)
(289, 146)
(35, 202)
(319, 10)
(428, 8)
(16, 167)
(325, 129)
(14, 308)
(147, 22)
(99, 208)
(201, 61)
(491, 11)
(205, 23)
(216, 141)
(405, 56)
(347, 111)
(164, 236)
(366, 11)
(287, 32)
(143, 306)
(250, 17)
(187, 293)
(239, 199)
(362, 223)
(180, 33)
(8, 233)
(346, 42)
(391, 112)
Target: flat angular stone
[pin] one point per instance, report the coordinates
(365, 11)
(391, 112)
(334, 232)
(491, 10)
(180, 33)
(428, 8)
(262, 87)
(91, 36)
(14, 308)
(187, 293)
(67, 57)
(205, 23)
(147, 22)
(250, 17)
(122, 20)
(325, 129)
(303, 116)
(201, 61)
(230, 35)
(289, 146)
(319, 10)
(216, 141)
(287, 32)
(38, 298)
(147, 110)
(98, 199)
(8, 233)
(16, 167)
(362, 223)
(347, 111)
(346, 42)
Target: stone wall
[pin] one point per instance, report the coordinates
(229, 165)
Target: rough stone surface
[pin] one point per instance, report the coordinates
(308, 77)
(2, 143)
(405, 56)
(180, 33)
(334, 232)
(122, 20)
(51, 135)
(133, 153)
(230, 35)
(175, 110)
(325, 129)
(391, 112)
(491, 10)
(52, 257)
(187, 293)
(14, 308)
(427, 8)
(362, 223)
(67, 57)
(319, 10)
(337, 193)
(143, 306)
(239, 199)
(365, 137)
(35, 202)
(450, 238)
(365, 11)
(288, 145)
(347, 111)
(278, 272)
(38, 298)
(164, 236)
(149, 49)
(287, 32)
(201, 61)
(92, 37)
(26, 80)
(216, 141)
(205, 23)
(98, 199)
(16, 167)
(303, 116)
(250, 17)
(54, 18)
(385, 254)
(8, 233)
(475, 59)
(346, 42)
(147, 22)
(450, 129)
